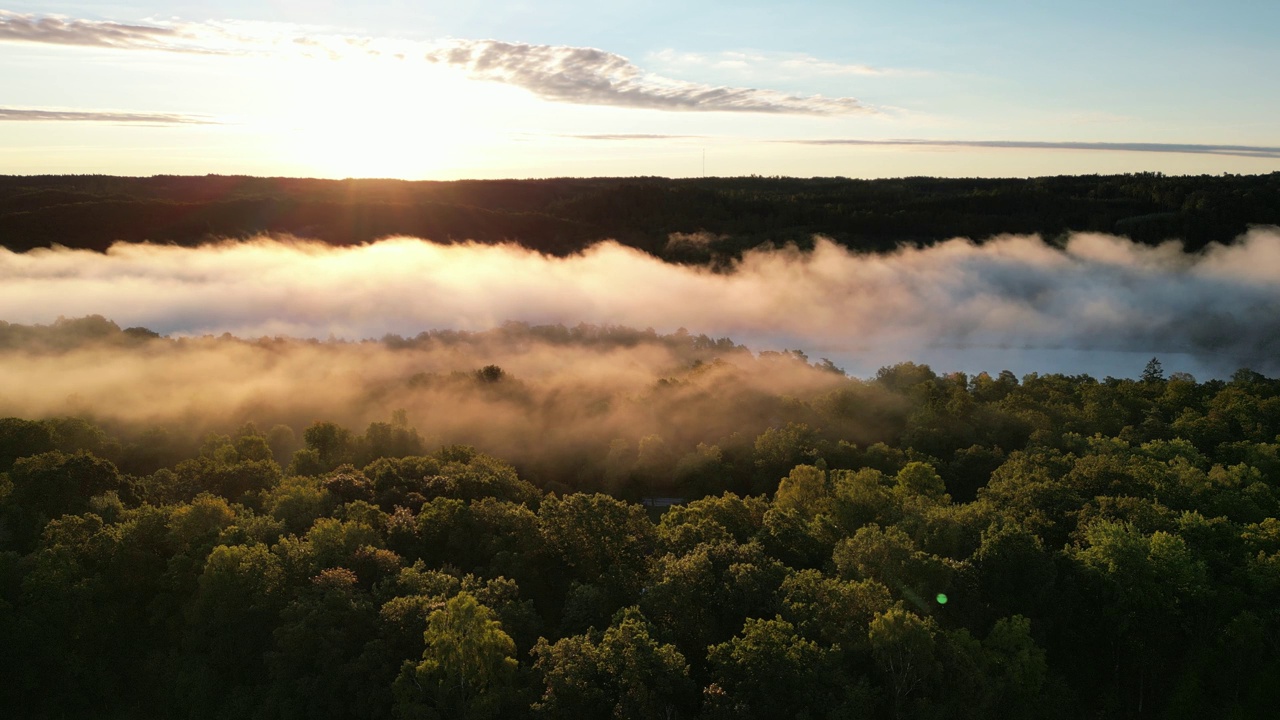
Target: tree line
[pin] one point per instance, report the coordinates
(565, 215)
(1008, 548)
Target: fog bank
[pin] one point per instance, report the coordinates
(1099, 304)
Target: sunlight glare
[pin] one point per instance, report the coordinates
(375, 117)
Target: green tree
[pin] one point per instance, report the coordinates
(223, 671)
(779, 449)
(903, 646)
(315, 663)
(1145, 594)
(623, 674)
(835, 612)
(22, 438)
(1014, 572)
(920, 479)
(467, 669)
(804, 490)
(1016, 668)
(330, 442)
(48, 485)
(298, 501)
(1153, 372)
(711, 520)
(702, 597)
(889, 556)
(702, 471)
(768, 671)
(598, 539)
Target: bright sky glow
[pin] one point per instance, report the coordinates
(439, 90)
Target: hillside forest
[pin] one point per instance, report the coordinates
(673, 527)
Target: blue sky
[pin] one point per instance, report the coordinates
(552, 88)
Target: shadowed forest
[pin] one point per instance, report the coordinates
(565, 215)
(596, 522)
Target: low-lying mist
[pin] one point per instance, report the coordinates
(1097, 304)
(539, 359)
(574, 400)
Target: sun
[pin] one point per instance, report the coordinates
(378, 117)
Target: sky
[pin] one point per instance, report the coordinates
(448, 90)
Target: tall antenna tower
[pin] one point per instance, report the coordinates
(704, 162)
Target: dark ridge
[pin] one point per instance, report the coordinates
(565, 215)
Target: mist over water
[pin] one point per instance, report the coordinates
(1099, 304)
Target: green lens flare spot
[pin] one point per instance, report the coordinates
(942, 598)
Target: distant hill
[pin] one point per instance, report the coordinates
(564, 215)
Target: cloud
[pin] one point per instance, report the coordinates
(578, 75)
(111, 116)
(589, 76)
(60, 30)
(1256, 151)
(226, 37)
(1011, 302)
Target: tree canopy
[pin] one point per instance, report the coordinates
(910, 546)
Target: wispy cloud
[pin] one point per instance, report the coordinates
(578, 75)
(589, 76)
(207, 38)
(107, 116)
(60, 30)
(1256, 151)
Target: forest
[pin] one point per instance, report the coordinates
(656, 215)
(669, 526)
